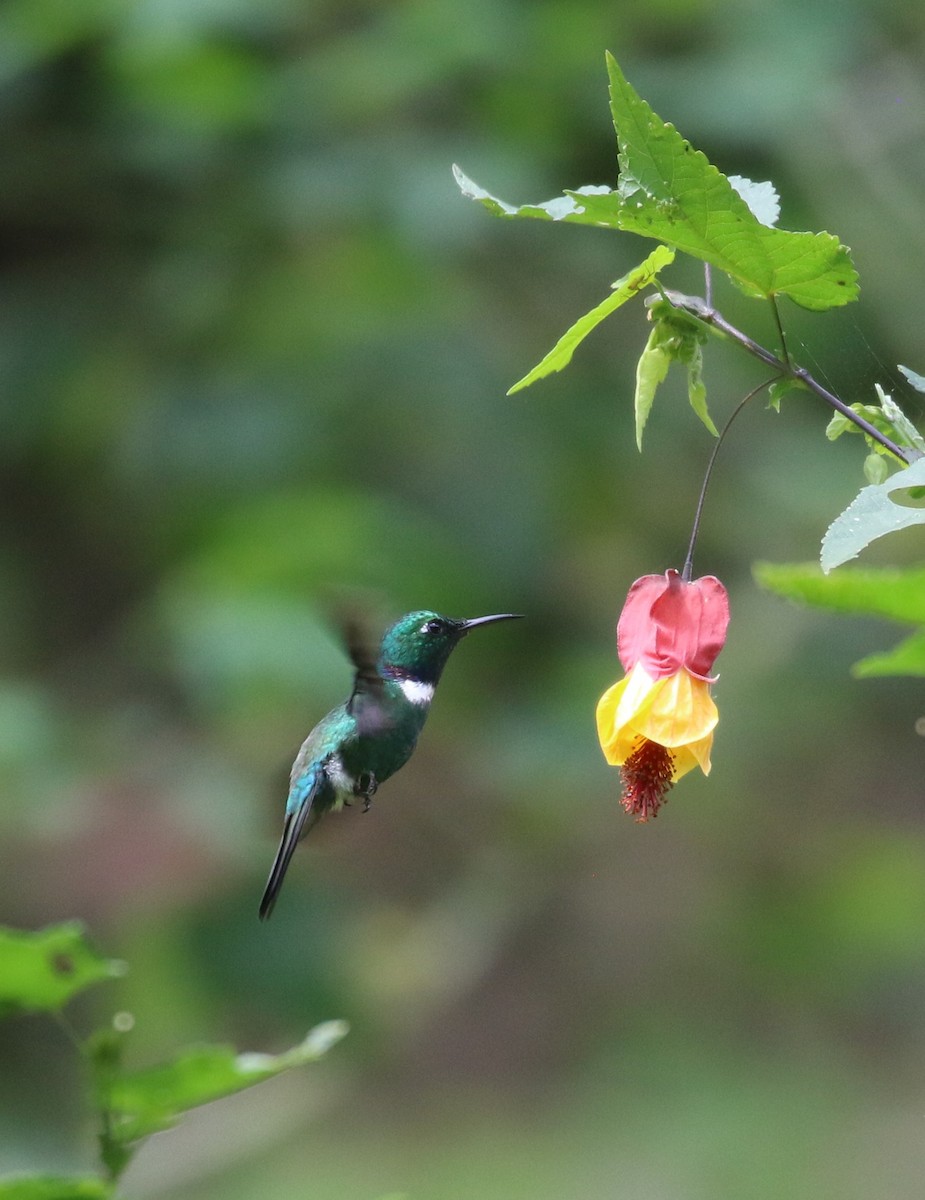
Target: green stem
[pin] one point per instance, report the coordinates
(780, 331)
(695, 307)
(101, 1055)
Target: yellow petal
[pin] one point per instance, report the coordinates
(695, 754)
(639, 692)
(681, 711)
(676, 712)
(619, 711)
(615, 739)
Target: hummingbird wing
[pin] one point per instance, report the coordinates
(301, 814)
(366, 700)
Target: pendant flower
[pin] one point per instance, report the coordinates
(657, 723)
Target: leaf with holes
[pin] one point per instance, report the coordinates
(872, 514)
(40, 972)
(569, 207)
(670, 191)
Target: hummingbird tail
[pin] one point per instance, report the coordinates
(293, 830)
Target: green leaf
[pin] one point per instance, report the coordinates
(779, 389)
(40, 972)
(908, 658)
(871, 515)
(876, 468)
(906, 432)
(650, 372)
(670, 191)
(143, 1102)
(54, 1187)
(624, 289)
(676, 337)
(917, 381)
(898, 595)
(569, 207)
(697, 389)
(889, 419)
(839, 423)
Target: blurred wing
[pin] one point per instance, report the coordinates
(366, 700)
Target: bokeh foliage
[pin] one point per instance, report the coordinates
(43, 971)
(254, 349)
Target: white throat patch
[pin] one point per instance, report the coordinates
(417, 692)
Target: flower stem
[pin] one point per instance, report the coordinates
(695, 307)
(688, 568)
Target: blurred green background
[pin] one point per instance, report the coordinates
(254, 346)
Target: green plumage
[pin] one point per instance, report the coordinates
(359, 744)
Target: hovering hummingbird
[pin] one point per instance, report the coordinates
(359, 744)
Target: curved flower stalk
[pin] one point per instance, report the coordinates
(657, 723)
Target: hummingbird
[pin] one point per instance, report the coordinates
(363, 741)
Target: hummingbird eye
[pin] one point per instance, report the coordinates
(432, 626)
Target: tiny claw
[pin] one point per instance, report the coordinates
(367, 788)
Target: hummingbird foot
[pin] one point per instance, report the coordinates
(367, 788)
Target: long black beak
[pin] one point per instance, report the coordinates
(467, 625)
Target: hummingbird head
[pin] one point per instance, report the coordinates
(419, 643)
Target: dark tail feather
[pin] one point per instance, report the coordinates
(292, 831)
